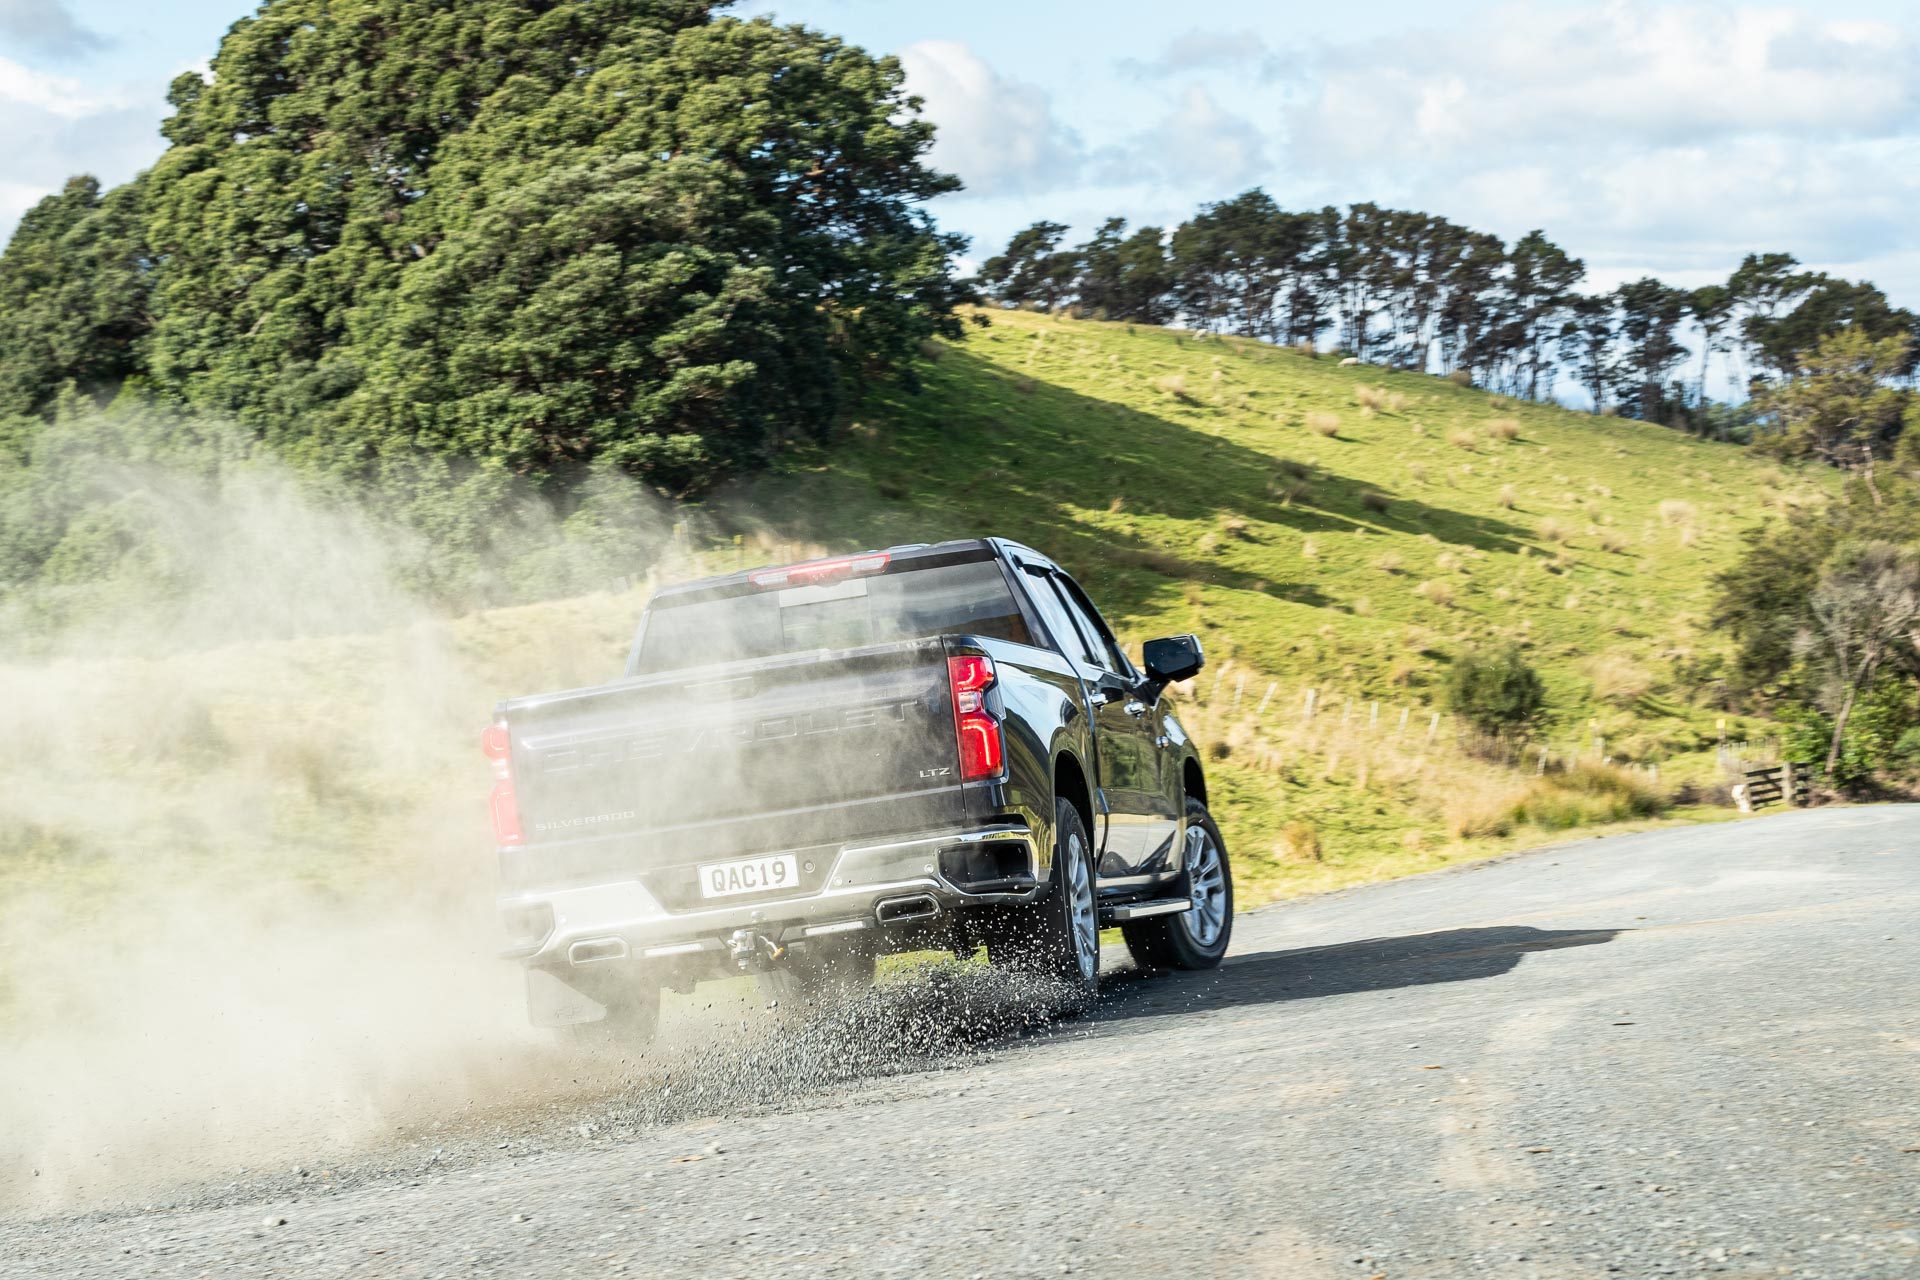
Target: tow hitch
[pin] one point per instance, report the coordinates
(751, 950)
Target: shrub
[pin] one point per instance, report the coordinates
(1494, 691)
(1588, 794)
(1881, 721)
(1460, 378)
(1326, 424)
(1373, 500)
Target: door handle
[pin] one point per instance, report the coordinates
(1135, 708)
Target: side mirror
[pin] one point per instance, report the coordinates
(1171, 659)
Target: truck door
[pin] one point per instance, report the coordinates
(1127, 776)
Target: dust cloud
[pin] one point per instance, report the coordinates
(246, 881)
(247, 884)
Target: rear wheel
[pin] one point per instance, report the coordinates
(818, 974)
(1197, 938)
(1058, 937)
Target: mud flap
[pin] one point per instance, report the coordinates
(552, 1002)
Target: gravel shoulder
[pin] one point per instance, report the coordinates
(1679, 1052)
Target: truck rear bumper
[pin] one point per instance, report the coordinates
(872, 886)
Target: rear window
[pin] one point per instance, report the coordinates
(908, 604)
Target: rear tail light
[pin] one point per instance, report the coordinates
(815, 573)
(502, 804)
(982, 747)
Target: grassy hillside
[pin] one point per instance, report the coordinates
(1335, 531)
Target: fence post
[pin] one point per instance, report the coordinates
(1786, 783)
(1265, 698)
(1313, 696)
(1433, 728)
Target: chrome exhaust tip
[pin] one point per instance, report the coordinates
(907, 910)
(594, 950)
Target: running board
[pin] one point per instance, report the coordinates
(1141, 910)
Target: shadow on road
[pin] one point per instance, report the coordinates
(1373, 964)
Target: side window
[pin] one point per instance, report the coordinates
(1102, 651)
(1046, 599)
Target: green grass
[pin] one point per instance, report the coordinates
(1188, 483)
(1182, 479)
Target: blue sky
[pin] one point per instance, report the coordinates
(1644, 136)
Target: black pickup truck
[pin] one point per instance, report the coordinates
(805, 767)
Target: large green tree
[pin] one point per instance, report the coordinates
(537, 233)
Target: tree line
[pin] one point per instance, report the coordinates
(1417, 291)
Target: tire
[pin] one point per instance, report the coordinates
(1057, 938)
(820, 974)
(1198, 937)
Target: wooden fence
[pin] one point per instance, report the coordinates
(1775, 784)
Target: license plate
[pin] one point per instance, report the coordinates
(749, 875)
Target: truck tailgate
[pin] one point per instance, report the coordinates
(651, 777)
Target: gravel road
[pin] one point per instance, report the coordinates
(1678, 1052)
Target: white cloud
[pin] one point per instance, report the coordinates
(998, 134)
(1619, 72)
(47, 27)
(1201, 50)
(56, 127)
(1198, 145)
(1662, 136)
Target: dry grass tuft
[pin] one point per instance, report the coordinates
(1503, 429)
(1509, 496)
(1434, 591)
(1461, 438)
(1175, 385)
(1373, 500)
(1613, 541)
(1618, 678)
(1289, 490)
(1323, 423)
(1552, 530)
(1300, 842)
(1678, 512)
(1418, 471)
(1391, 562)
(1379, 399)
